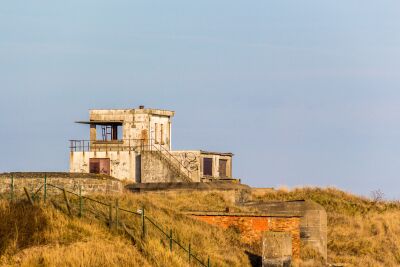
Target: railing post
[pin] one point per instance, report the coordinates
(80, 201)
(12, 188)
(170, 240)
(143, 224)
(116, 213)
(28, 196)
(45, 188)
(189, 253)
(110, 218)
(67, 202)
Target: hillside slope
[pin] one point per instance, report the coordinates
(361, 231)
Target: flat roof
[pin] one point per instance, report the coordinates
(162, 112)
(110, 122)
(217, 153)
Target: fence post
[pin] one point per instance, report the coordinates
(208, 262)
(170, 240)
(12, 187)
(110, 219)
(80, 202)
(143, 224)
(67, 202)
(45, 188)
(116, 213)
(28, 195)
(189, 253)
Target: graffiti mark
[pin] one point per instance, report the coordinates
(190, 161)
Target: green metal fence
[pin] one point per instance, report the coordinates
(113, 215)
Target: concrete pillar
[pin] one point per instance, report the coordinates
(277, 249)
(93, 132)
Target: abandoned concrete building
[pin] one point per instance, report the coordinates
(135, 144)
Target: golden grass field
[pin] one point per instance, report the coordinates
(361, 231)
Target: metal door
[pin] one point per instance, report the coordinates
(100, 166)
(207, 167)
(222, 168)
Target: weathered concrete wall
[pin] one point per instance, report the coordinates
(156, 170)
(33, 181)
(190, 159)
(122, 163)
(139, 123)
(252, 227)
(277, 249)
(313, 224)
(215, 165)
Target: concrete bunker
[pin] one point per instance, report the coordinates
(135, 145)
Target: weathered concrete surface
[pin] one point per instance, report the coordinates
(122, 163)
(157, 169)
(277, 249)
(313, 224)
(91, 183)
(139, 123)
(143, 130)
(252, 225)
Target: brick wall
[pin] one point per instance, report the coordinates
(251, 227)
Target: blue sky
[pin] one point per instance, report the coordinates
(303, 92)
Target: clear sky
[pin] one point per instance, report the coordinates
(303, 92)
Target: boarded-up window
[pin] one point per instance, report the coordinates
(100, 166)
(156, 133)
(162, 134)
(222, 168)
(207, 166)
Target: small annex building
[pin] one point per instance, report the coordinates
(135, 144)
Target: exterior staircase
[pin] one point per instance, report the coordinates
(174, 164)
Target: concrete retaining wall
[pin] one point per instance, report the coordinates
(313, 224)
(252, 226)
(33, 181)
(277, 249)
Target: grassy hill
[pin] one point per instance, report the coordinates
(361, 231)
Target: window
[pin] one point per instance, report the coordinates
(156, 133)
(111, 132)
(207, 166)
(162, 134)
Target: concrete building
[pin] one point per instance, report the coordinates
(135, 144)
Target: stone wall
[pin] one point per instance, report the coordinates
(90, 183)
(252, 226)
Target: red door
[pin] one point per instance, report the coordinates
(100, 166)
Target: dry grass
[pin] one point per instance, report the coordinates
(45, 236)
(37, 236)
(361, 231)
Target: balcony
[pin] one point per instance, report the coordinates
(108, 145)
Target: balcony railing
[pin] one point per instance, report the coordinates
(110, 145)
(129, 145)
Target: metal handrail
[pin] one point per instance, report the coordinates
(162, 149)
(77, 145)
(127, 144)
